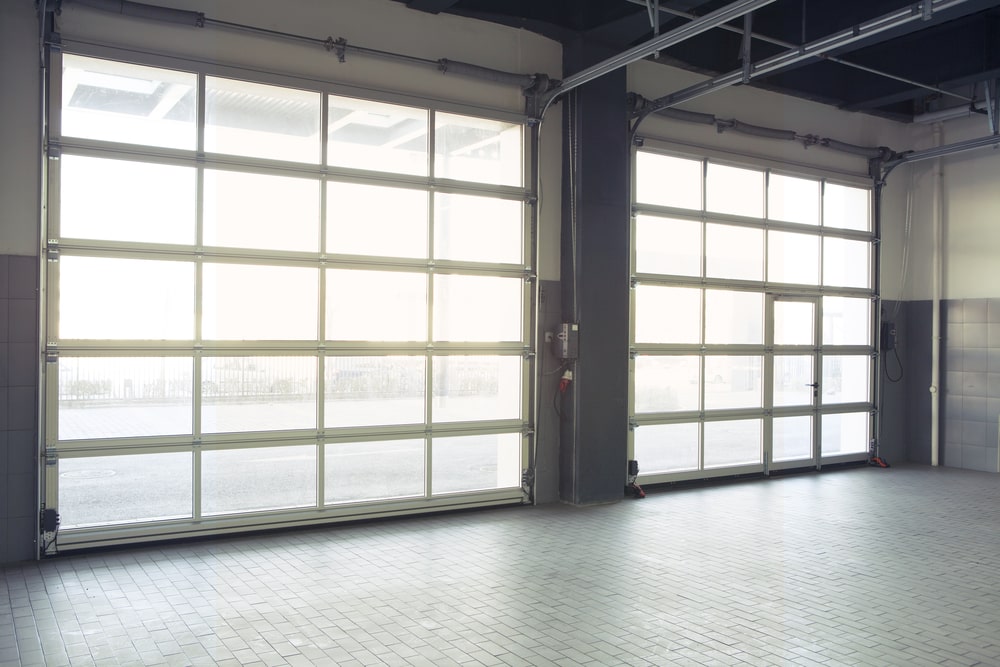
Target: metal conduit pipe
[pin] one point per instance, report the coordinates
(936, 224)
(143, 11)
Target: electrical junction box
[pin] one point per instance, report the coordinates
(566, 341)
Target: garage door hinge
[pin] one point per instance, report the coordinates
(51, 353)
(52, 251)
(632, 424)
(51, 457)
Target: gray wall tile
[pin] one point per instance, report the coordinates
(953, 335)
(952, 427)
(952, 406)
(21, 408)
(953, 312)
(994, 310)
(22, 453)
(974, 335)
(954, 382)
(993, 334)
(22, 274)
(22, 365)
(974, 433)
(4, 453)
(953, 359)
(994, 359)
(4, 558)
(4, 365)
(23, 320)
(974, 408)
(992, 409)
(4, 398)
(974, 384)
(993, 385)
(21, 538)
(974, 310)
(20, 495)
(4, 319)
(4, 282)
(974, 458)
(952, 454)
(992, 435)
(975, 359)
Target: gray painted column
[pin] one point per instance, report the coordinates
(595, 280)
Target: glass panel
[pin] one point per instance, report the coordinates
(477, 149)
(476, 388)
(792, 258)
(376, 305)
(666, 448)
(125, 299)
(792, 438)
(667, 245)
(732, 382)
(794, 323)
(477, 308)
(261, 211)
(476, 462)
(101, 490)
(116, 200)
(846, 263)
(666, 384)
(477, 229)
(845, 434)
(123, 397)
(846, 207)
(358, 471)
(732, 443)
(258, 120)
(663, 180)
(734, 318)
(128, 103)
(364, 391)
(735, 191)
(375, 220)
(793, 199)
(252, 302)
(263, 478)
(257, 393)
(792, 377)
(377, 136)
(846, 321)
(734, 253)
(846, 379)
(667, 314)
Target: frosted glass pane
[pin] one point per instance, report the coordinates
(732, 443)
(732, 382)
(376, 305)
(125, 299)
(258, 120)
(793, 199)
(847, 321)
(359, 471)
(792, 376)
(252, 302)
(734, 318)
(122, 397)
(668, 246)
(478, 229)
(376, 220)
(846, 379)
(792, 258)
(365, 391)
(734, 190)
(667, 314)
(846, 263)
(666, 448)
(477, 308)
(668, 181)
(846, 207)
(792, 438)
(845, 434)
(667, 383)
(734, 253)
(476, 388)
(794, 323)
(242, 394)
(117, 200)
(477, 149)
(377, 136)
(101, 490)
(126, 103)
(263, 478)
(261, 211)
(476, 463)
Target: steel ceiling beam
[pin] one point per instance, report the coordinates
(816, 48)
(667, 39)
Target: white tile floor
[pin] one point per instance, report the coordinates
(852, 567)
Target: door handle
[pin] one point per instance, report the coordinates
(814, 385)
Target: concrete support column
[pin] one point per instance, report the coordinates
(595, 280)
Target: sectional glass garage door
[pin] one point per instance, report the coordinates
(273, 304)
(753, 311)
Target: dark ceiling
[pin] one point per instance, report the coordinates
(934, 62)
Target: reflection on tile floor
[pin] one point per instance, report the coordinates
(852, 567)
